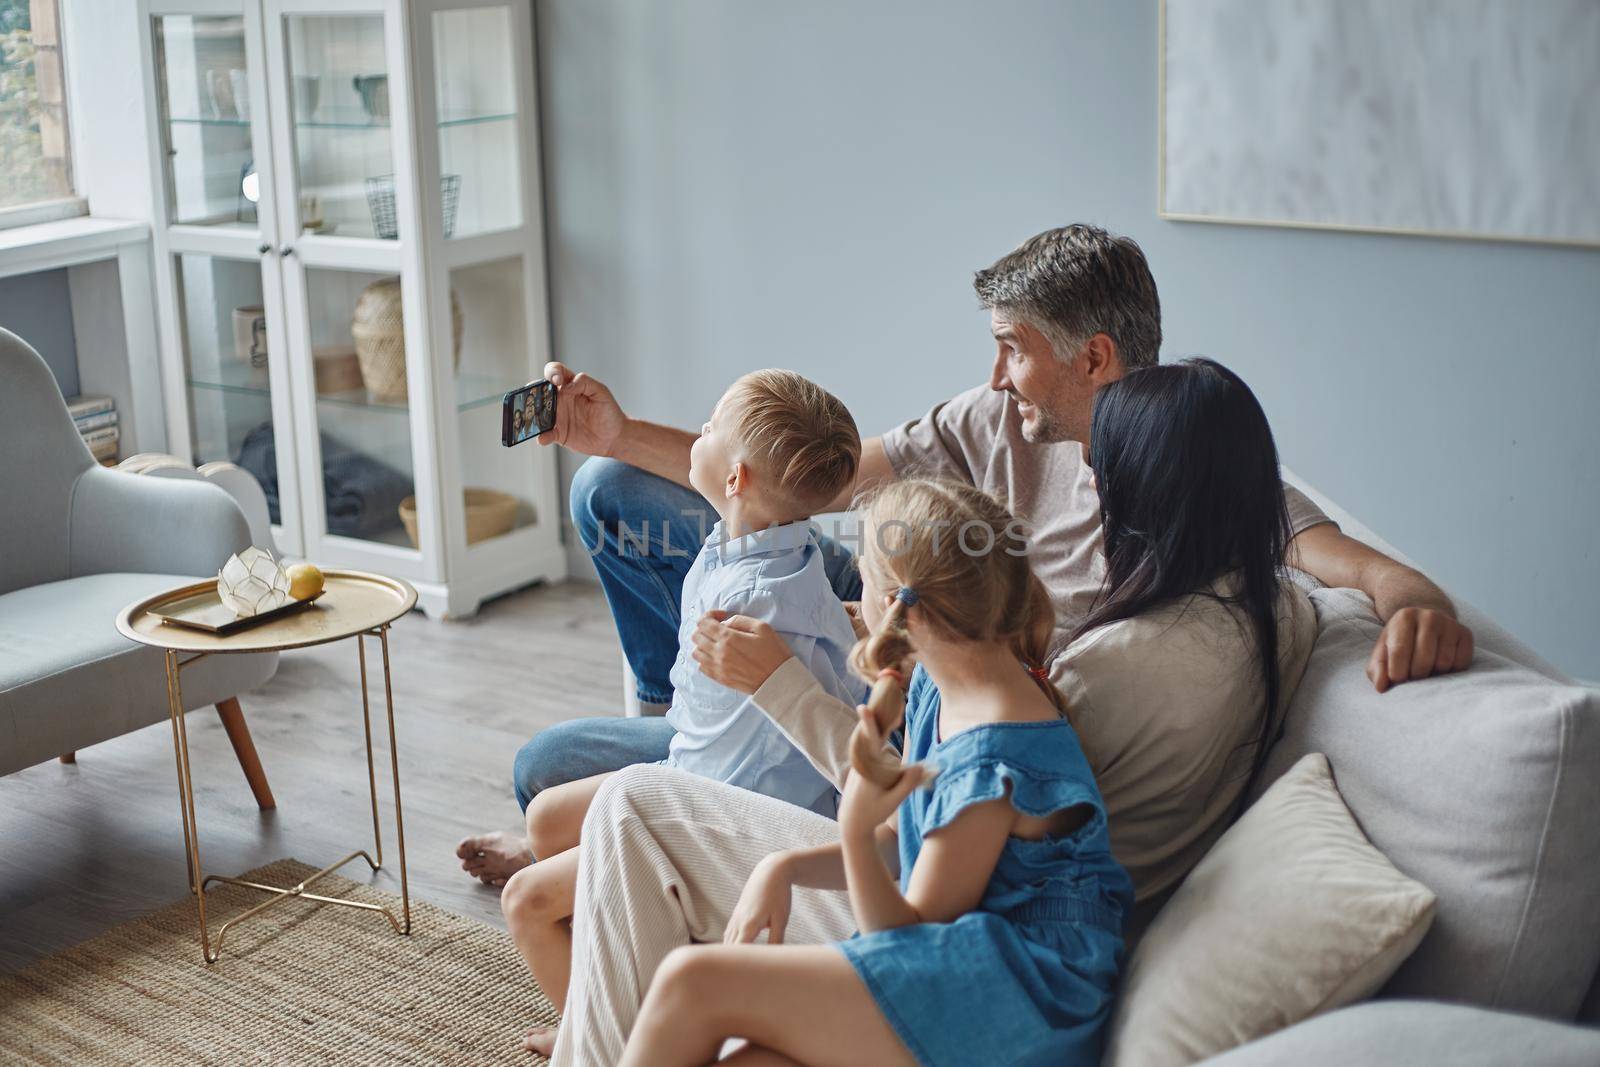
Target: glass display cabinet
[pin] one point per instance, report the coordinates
(350, 273)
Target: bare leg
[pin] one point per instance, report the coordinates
(537, 905)
(555, 817)
(803, 1002)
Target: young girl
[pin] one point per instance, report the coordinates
(1002, 938)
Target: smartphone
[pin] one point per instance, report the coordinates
(527, 412)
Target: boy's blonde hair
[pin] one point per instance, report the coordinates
(961, 553)
(797, 433)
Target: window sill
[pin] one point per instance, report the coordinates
(45, 211)
(48, 245)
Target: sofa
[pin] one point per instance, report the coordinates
(1485, 787)
(79, 542)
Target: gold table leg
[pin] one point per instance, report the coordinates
(180, 749)
(394, 768)
(366, 724)
(199, 881)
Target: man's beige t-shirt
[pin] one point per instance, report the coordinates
(1167, 704)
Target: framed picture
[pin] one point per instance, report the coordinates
(1455, 118)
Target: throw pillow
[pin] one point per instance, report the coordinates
(1292, 913)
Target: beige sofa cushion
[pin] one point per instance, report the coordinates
(1291, 914)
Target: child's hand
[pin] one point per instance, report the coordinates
(865, 804)
(764, 904)
(736, 651)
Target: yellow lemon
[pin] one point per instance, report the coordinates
(305, 581)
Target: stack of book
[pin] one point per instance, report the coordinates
(96, 419)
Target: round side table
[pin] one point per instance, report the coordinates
(353, 604)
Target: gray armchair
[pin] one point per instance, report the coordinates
(78, 542)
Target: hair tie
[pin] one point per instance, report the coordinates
(907, 596)
(1039, 674)
(893, 672)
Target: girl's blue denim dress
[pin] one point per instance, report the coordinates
(1029, 976)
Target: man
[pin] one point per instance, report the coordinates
(1072, 309)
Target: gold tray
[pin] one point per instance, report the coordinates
(352, 602)
(206, 611)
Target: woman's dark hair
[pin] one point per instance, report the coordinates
(1190, 492)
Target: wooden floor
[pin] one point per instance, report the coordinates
(88, 845)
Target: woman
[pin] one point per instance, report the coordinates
(1175, 682)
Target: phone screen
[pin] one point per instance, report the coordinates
(527, 412)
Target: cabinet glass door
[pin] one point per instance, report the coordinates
(339, 102)
(207, 101)
(475, 93)
(362, 406)
(494, 356)
(234, 370)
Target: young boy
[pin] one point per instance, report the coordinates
(776, 448)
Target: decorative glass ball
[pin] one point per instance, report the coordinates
(253, 582)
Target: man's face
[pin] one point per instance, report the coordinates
(1054, 391)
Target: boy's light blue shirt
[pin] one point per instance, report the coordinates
(775, 575)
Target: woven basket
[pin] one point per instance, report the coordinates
(379, 333)
(489, 514)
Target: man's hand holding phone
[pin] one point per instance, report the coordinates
(588, 417)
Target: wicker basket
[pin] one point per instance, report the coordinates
(379, 333)
(380, 201)
(489, 514)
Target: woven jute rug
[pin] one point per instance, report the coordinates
(303, 983)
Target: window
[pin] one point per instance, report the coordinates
(35, 152)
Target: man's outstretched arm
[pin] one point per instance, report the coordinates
(1421, 635)
(589, 420)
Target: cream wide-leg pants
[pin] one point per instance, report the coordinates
(665, 856)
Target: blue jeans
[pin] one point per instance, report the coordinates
(643, 533)
(582, 748)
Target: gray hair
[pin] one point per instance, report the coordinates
(1074, 282)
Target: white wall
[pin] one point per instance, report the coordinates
(743, 183)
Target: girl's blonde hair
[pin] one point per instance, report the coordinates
(964, 558)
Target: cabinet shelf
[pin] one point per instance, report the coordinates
(354, 119)
(472, 390)
(240, 124)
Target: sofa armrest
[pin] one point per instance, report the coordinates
(127, 523)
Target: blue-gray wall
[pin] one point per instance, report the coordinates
(745, 183)
(38, 308)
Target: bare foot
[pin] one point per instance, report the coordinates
(541, 1040)
(492, 858)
